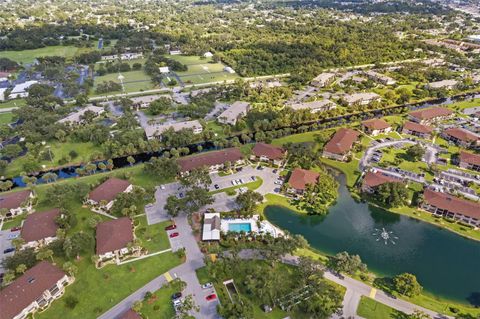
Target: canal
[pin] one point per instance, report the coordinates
(446, 264)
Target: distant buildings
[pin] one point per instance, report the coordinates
(446, 205)
(314, 106)
(213, 161)
(469, 161)
(103, 196)
(40, 229)
(156, 130)
(339, 146)
(33, 291)
(445, 84)
(268, 153)
(123, 57)
(175, 52)
(234, 112)
(383, 79)
(323, 80)
(113, 238)
(211, 226)
(427, 116)
(376, 126)
(142, 102)
(17, 203)
(461, 137)
(21, 90)
(77, 117)
(300, 179)
(361, 98)
(416, 129)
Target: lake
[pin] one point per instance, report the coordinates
(445, 264)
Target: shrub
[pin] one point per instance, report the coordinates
(71, 302)
(73, 154)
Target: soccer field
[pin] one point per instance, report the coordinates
(134, 81)
(27, 56)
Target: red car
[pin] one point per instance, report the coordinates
(171, 227)
(211, 297)
(174, 235)
(15, 228)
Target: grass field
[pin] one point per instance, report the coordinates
(6, 118)
(134, 81)
(12, 103)
(370, 309)
(160, 305)
(28, 56)
(153, 237)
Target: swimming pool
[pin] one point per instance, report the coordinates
(238, 227)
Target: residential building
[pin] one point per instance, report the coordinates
(77, 117)
(234, 112)
(430, 115)
(268, 153)
(300, 179)
(156, 130)
(40, 229)
(376, 126)
(124, 56)
(374, 178)
(323, 80)
(2, 94)
(103, 196)
(214, 161)
(470, 161)
(445, 84)
(446, 205)
(164, 69)
(175, 52)
(416, 129)
(361, 98)
(21, 90)
(113, 238)
(462, 137)
(314, 106)
(142, 102)
(211, 226)
(130, 314)
(340, 144)
(17, 203)
(383, 79)
(33, 291)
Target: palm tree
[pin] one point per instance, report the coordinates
(44, 254)
(18, 243)
(21, 269)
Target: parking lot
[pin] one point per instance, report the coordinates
(6, 237)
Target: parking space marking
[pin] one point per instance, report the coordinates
(373, 292)
(168, 276)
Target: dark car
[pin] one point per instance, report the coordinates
(216, 186)
(176, 295)
(15, 228)
(8, 250)
(172, 235)
(211, 297)
(171, 227)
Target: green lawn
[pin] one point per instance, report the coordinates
(189, 59)
(251, 186)
(153, 237)
(134, 81)
(13, 103)
(27, 56)
(350, 169)
(14, 222)
(160, 305)
(208, 77)
(371, 309)
(97, 290)
(6, 118)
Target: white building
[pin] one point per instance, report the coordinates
(175, 52)
(21, 90)
(314, 106)
(211, 226)
(164, 69)
(208, 54)
(234, 112)
(145, 101)
(228, 70)
(361, 98)
(445, 84)
(77, 117)
(156, 130)
(375, 76)
(323, 79)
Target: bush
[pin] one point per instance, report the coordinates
(73, 154)
(71, 302)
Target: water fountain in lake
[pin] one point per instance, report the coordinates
(388, 237)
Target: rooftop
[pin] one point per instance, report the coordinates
(114, 235)
(342, 141)
(314, 105)
(14, 200)
(377, 178)
(157, 129)
(40, 225)
(211, 226)
(470, 158)
(357, 97)
(235, 110)
(452, 203)
(463, 135)
(300, 178)
(209, 159)
(76, 117)
(415, 127)
(431, 113)
(109, 189)
(376, 124)
(269, 151)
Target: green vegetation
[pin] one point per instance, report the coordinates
(159, 305)
(371, 309)
(251, 186)
(28, 56)
(6, 118)
(153, 237)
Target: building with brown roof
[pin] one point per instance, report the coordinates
(446, 205)
(300, 178)
(268, 153)
(40, 228)
(376, 126)
(103, 196)
(426, 116)
(17, 203)
(340, 145)
(130, 314)
(417, 129)
(113, 237)
(374, 178)
(461, 137)
(470, 161)
(33, 291)
(214, 161)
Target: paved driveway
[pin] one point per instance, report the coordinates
(6, 237)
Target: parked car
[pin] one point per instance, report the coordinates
(275, 171)
(171, 227)
(12, 236)
(216, 186)
(211, 297)
(241, 181)
(180, 195)
(208, 285)
(176, 295)
(162, 186)
(176, 303)
(254, 178)
(278, 182)
(175, 234)
(234, 182)
(15, 228)
(8, 250)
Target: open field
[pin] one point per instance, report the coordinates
(134, 81)
(6, 118)
(13, 103)
(28, 56)
(159, 306)
(370, 309)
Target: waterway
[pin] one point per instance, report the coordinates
(446, 264)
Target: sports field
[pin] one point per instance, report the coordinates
(133, 81)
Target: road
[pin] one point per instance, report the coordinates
(186, 272)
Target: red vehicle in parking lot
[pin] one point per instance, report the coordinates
(172, 235)
(171, 227)
(15, 228)
(211, 297)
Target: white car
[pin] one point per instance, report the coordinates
(278, 182)
(13, 236)
(234, 182)
(162, 186)
(177, 302)
(208, 285)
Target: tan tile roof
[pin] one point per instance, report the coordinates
(300, 178)
(374, 179)
(462, 135)
(109, 189)
(40, 225)
(14, 200)
(470, 158)
(342, 141)
(28, 288)
(452, 203)
(114, 235)
(431, 113)
(376, 124)
(415, 127)
(270, 151)
(209, 159)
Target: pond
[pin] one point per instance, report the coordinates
(446, 264)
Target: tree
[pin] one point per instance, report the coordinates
(159, 106)
(417, 314)
(137, 306)
(49, 177)
(70, 268)
(11, 150)
(344, 262)
(392, 194)
(407, 285)
(18, 242)
(25, 256)
(325, 300)
(21, 269)
(8, 277)
(130, 160)
(43, 254)
(415, 152)
(248, 201)
(174, 206)
(163, 167)
(77, 243)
